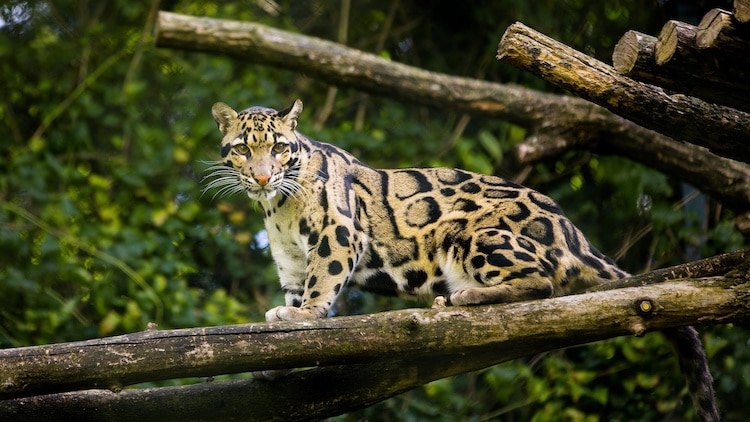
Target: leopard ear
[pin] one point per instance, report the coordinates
(224, 115)
(290, 115)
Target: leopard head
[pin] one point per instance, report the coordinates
(259, 151)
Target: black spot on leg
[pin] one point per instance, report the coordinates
(311, 283)
(492, 274)
(342, 235)
(335, 268)
(324, 249)
(312, 240)
(440, 288)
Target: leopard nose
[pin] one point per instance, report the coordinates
(262, 179)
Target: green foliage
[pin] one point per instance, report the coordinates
(104, 227)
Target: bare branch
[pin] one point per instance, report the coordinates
(515, 329)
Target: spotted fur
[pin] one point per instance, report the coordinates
(333, 221)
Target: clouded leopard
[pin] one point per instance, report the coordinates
(333, 221)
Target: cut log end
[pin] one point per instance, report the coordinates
(633, 48)
(711, 26)
(742, 10)
(675, 37)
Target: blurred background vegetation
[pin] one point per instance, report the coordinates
(103, 227)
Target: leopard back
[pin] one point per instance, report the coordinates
(334, 221)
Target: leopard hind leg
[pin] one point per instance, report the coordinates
(527, 288)
(502, 267)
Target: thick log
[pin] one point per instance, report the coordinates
(721, 129)
(728, 43)
(634, 53)
(742, 10)
(708, 61)
(164, 354)
(712, 81)
(717, 29)
(348, 67)
(309, 395)
(676, 40)
(460, 339)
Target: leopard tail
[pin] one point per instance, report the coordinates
(694, 367)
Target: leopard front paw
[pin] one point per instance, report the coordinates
(290, 313)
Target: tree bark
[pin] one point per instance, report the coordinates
(634, 53)
(676, 40)
(382, 354)
(715, 81)
(721, 129)
(742, 10)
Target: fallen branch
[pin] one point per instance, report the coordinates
(438, 343)
(721, 129)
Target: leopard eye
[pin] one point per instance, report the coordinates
(241, 149)
(278, 148)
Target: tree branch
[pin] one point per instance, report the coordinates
(569, 122)
(721, 129)
(518, 329)
(438, 342)
(725, 180)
